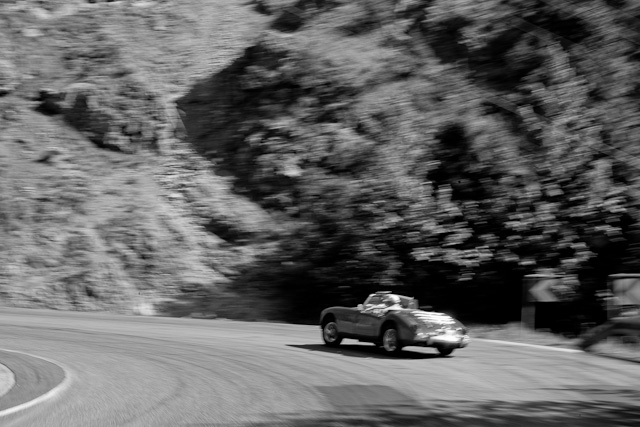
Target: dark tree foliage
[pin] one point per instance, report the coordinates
(442, 148)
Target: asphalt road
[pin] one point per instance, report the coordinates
(139, 371)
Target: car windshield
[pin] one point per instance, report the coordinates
(375, 299)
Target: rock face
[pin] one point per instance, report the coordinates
(83, 228)
(123, 118)
(8, 77)
(83, 110)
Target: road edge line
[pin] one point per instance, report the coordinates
(64, 384)
(13, 379)
(565, 350)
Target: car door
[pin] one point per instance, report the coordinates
(346, 319)
(368, 323)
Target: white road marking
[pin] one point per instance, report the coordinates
(7, 380)
(64, 384)
(566, 350)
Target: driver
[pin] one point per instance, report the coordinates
(392, 302)
(389, 302)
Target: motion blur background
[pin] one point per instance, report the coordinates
(264, 159)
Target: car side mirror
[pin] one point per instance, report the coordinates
(360, 307)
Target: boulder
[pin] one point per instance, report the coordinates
(290, 16)
(82, 110)
(47, 156)
(124, 116)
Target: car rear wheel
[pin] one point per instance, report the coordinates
(444, 351)
(391, 341)
(330, 334)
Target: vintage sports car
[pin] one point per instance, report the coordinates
(393, 322)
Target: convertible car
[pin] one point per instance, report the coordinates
(393, 327)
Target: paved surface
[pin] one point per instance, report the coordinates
(134, 371)
(7, 379)
(34, 377)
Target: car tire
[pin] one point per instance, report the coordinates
(391, 341)
(444, 351)
(330, 334)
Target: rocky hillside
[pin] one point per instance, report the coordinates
(103, 203)
(217, 156)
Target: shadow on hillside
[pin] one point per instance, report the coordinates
(610, 408)
(211, 111)
(366, 351)
(216, 306)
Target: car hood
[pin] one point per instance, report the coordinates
(431, 319)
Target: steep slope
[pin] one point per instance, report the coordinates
(103, 205)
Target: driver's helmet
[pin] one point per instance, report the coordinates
(390, 300)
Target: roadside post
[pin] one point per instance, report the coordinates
(625, 290)
(623, 311)
(537, 293)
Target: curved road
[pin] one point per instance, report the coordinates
(140, 371)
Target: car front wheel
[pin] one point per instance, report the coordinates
(391, 341)
(445, 351)
(330, 334)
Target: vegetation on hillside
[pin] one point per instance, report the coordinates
(443, 148)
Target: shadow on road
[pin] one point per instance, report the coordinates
(595, 411)
(366, 351)
(629, 357)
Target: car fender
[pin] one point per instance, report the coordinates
(334, 311)
(402, 323)
(345, 317)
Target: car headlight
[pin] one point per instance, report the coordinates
(419, 331)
